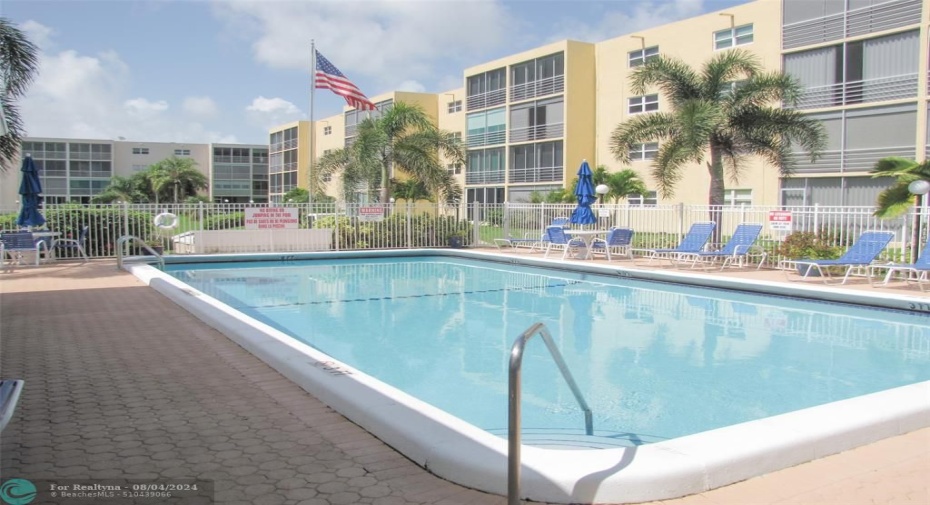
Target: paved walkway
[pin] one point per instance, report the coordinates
(122, 383)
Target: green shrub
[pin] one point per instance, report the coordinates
(105, 225)
(807, 245)
(224, 221)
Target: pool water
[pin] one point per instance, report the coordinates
(654, 360)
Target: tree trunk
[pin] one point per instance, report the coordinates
(715, 195)
(385, 182)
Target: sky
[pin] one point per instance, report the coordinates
(201, 71)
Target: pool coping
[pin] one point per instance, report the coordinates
(467, 455)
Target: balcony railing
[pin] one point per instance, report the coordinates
(850, 160)
(536, 174)
(870, 90)
(486, 139)
(484, 177)
(862, 21)
(485, 100)
(541, 87)
(540, 132)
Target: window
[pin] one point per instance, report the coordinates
(642, 152)
(537, 120)
(327, 130)
(139, 168)
(733, 37)
(737, 197)
(639, 104)
(457, 136)
(454, 168)
(140, 150)
(641, 56)
(648, 200)
(327, 177)
(486, 128)
(182, 152)
(455, 106)
(327, 151)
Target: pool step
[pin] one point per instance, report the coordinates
(551, 438)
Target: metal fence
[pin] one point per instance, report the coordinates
(375, 226)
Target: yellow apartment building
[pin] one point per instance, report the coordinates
(528, 120)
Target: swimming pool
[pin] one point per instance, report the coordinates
(734, 360)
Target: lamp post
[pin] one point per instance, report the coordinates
(601, 190)
(919, 188)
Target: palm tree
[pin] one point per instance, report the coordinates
(409, 190)
(403, 138)
(724, 111)
(19, 64)
(178, 174)
(897, 199)
(624, 183)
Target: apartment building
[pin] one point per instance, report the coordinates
(75, 170)
(528, 120)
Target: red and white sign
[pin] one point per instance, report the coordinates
(780, 220)
(371, 213)
(271, 218)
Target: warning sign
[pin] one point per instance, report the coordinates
(271, 218)
(780, 220)
(370, 214)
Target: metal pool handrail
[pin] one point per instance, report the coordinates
(129, 238)
(513, 426)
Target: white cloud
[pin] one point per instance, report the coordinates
(203, 106)
(37, 33)
(81, 96)
(267, 113)
(390, 41)
(412, 86)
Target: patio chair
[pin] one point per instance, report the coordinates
(620, 240)
(557, 239)
(735, 251)
(73, 245)
(17, 243)
(861, 254)
(694, 241)
(916, 271)
(528, 240)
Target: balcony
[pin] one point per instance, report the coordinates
(862, 21)
(850, 160)
(855, 92)
(541, 87)
(486, 139)
(485, 100)
(537, 174)
(484, 177)
(540, 132)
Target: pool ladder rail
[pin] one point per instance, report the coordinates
(514, 411)
(126, 240)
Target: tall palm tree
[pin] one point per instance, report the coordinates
(896, 200)
(179, 174)
(19, 65)
(404, 139)
(722, 113)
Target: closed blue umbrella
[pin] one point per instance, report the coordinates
(30, 189)
(584, 190)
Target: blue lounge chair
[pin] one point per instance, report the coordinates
(735, 251)
(694, 242)
(861, 254)
(17, 243)
(557, 239)
(916, 271)
(527, 240)
(73, 245)
(620, 240)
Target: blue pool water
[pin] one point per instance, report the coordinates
(654, 360)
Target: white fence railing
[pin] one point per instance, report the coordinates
(397, 226)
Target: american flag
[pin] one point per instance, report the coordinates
(329, 77)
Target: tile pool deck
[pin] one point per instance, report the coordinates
(122, 383)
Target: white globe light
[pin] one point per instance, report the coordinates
(919, 187)
(601, 189)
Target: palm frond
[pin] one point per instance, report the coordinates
(668, 164)
(638, 129)
(894, 201)
(676, 80)
(725, 67)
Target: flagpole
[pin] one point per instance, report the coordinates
(312, 127)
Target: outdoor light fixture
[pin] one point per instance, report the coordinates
(918, 188)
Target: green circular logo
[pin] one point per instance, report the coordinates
(18, 491)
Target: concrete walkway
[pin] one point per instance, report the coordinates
(122, 383)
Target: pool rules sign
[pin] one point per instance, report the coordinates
(780, 220)
(271, 218)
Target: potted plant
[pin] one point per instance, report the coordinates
(456, 239)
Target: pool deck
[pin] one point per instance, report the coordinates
(123, 383)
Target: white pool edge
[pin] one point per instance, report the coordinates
(462, 453)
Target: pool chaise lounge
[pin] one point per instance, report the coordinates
(916, 271)
(860, 255)
(735, 252)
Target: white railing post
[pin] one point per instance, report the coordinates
(816, 217)
(200, 216)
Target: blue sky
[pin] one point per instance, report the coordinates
(227, 71)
